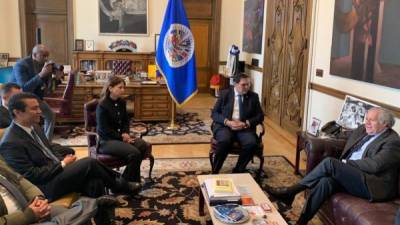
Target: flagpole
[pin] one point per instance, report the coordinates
(172, 125)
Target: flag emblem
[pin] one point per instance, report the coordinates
(178, 45)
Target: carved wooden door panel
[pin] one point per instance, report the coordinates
(274, 53)
(286, 61)
(295, 72)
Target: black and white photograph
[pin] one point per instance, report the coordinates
(353, 112)
(4, 59)
(314, 126)
(123, 17)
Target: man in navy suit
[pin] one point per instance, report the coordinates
(52, 167)
(32, 73)
(236, 115)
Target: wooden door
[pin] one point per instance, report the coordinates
(53, 20)
(204, 19)
(286, 58)
(201, 31)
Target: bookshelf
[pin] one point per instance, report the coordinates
(102, 60)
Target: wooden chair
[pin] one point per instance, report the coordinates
(236, 148)
(93, 141)
(62, 106)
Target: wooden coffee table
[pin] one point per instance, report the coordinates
(241, 179)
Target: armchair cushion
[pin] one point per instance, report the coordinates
(319, 148)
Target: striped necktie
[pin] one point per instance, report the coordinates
(44, 148)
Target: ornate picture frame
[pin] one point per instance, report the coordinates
(123, 17)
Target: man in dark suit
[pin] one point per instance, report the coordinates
(235, 117)
(8, 90)
(53, 168)
(367, 168)
(32, 73)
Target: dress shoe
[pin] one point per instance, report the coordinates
(134, 188)
(107, 201)
(285, 194)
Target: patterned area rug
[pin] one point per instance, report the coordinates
(173, 197)
(193, 128)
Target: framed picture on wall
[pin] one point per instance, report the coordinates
(123, 17)
(4, 59)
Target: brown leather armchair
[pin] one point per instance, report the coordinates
(62, 106)
(236, 148)
(93, 141)
(342, 208)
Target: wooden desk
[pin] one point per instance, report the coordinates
(146, 102)
(240, 179)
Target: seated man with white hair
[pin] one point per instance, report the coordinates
(367, 168)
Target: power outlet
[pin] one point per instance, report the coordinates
(319, 73)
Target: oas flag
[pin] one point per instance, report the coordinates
(175, 53)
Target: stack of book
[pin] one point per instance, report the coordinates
(221, 191)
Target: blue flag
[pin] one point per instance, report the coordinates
(175, 53)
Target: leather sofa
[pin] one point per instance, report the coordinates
(342, 208)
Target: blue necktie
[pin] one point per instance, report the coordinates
(359, 144)
(241, 107)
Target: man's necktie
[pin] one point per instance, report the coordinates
(359, 144)
(241, 107)
(45, 149)
(21, 199)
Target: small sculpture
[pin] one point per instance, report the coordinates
(123, 46)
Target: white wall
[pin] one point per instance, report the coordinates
(10, 40)
(232, 32)
(327, 107)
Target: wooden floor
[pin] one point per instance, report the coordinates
(276, 140)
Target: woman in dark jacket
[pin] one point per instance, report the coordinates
(113, 129)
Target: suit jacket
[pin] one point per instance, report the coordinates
(25, 156)
(5, 118)
(379, 163)
(223, 109)
(25, 76)
(20, 217)
(112, 119)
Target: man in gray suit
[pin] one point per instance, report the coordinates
(367, 168)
